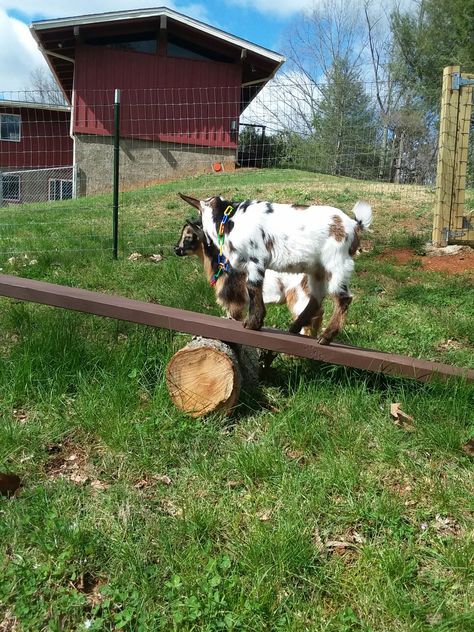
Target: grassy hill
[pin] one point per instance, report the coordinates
(308, 509)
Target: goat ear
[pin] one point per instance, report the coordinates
(194, 223)
(198, 230)
(190, 200)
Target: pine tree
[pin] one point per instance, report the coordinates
(439, 33)
(345, 126)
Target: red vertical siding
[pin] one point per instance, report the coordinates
(172, 99)
(44, 141)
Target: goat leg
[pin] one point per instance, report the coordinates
(313, 330)
(306, 316)
(257, 311)
(341, 305)
(317, 322)
(267, 359)
(235, 312)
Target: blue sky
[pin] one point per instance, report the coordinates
(246, 22)
(263, 22)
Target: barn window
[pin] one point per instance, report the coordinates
(60, 189)
(178, 47)
(137, 42)
(11, 187)
(10, 125)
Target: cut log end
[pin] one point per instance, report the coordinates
(204, 377)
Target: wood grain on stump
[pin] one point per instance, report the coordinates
(204, 377)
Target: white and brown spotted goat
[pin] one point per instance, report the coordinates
(317, 240)
(231, 288)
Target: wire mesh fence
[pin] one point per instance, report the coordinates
(56, 162)
(453, 221)
(27, 186)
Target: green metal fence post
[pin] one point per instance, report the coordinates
(116, 172)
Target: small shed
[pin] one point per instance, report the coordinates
(184, 85)
(36, 152)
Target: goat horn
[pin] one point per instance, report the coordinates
(190, 200)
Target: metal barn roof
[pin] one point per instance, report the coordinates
(34, 105)
(57, 39)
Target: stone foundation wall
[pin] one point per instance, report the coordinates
(142, 162)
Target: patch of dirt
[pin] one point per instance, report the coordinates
(70, 461)
(90, 586)
(347, 546)
(67, 461)
(171, 509)
(143, 483)
(443, 526)
(297, 455)
(450, 345)
(20, 414)
(9, 483)
(7, 342)
(459, 263)
(400, 485)
(9, 623)
(468, 447)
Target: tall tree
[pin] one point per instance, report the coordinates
(438, 33)
(331, 29)
(345, 126)
(388, 92)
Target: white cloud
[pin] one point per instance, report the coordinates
(34, 9)
(275, 8)
(288, 8)
(285, 103)
(19, 54)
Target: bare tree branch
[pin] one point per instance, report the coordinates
(43, 88)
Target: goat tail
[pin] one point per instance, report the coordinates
(363, 214)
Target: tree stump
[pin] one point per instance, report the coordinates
(206, 376)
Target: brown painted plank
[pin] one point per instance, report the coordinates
(221, 329)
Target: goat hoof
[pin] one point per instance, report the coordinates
(252, 323)
(267, 359)
(324, 341)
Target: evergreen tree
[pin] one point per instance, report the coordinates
(440, 33)
(345, 126)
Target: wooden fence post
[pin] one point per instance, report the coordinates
(445, 180)
(460, 168)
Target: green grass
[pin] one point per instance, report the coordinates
(243, 538)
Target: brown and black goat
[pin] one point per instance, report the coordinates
(318, 241)
(231, 287)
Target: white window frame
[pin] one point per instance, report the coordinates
(9, 199)
(62, 181)
(11, 140)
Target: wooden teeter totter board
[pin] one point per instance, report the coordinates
(223, 329)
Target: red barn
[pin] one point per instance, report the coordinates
(36, 152)
(183, 87)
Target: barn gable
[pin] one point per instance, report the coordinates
(183, 83)
(161, 32)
